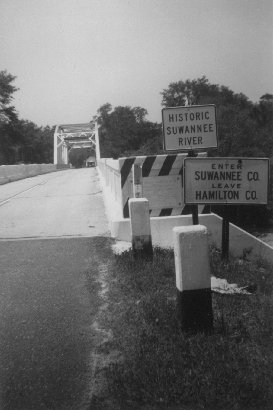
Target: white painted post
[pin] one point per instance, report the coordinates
(137, 181)
(193, 281)
(97, 140)
(56, 145)
(140, 227)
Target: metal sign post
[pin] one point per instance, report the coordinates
(225, 235)
(137, 181)
(190, 128)
(194, 208)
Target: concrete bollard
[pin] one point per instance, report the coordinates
(193, 280)
(140, 227)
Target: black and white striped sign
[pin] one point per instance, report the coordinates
(162, 183)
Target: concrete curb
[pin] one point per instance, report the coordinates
(241, 242)
(10, 173)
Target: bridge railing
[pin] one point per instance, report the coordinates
(162, 183)
(10, 173)
(162, 186)
(111, 180)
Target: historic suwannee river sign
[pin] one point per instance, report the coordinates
(189, 128)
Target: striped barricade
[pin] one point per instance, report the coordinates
(162, 183)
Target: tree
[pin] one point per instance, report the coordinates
(7, 112)
(188, 92)
(140, 114)
(77, 156)
(46, 144)
(7, 116)
(123, 130)
(21, 140)
(243, 128)
(24, 141)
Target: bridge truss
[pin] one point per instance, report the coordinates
(71, 136)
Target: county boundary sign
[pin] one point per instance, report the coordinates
(189, 128)
(226, 181)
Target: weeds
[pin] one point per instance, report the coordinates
(164, 367)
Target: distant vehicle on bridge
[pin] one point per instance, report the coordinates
(91, 161)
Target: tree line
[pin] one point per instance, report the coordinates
(124, 131)
(21, 140)
(244, 128)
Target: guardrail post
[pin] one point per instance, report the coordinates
(140, 227)
(193, 281)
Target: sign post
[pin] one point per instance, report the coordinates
(226, 181)
(137, 181)
(187, 129)
(194, 208)
(225, 235)
(192, 128)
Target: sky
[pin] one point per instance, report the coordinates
(72, 56)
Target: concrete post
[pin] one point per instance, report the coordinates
(56, 145)
(137, 181)
(193, 281)
(97, 140)
(140, 227)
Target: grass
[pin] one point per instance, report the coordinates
(164, 368)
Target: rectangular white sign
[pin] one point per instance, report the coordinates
(188, 128)
(226, 180)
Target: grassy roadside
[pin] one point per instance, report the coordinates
(164, 368)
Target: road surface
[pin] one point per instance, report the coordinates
(60, 204)
(54, 247)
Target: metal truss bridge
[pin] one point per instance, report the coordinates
(70, 136)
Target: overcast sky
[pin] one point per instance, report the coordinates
(72, 56)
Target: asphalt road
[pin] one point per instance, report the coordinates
(60, 204)
(54, 247)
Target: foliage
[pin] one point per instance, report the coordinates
(163, 367)
(24, 141)
(21, 140)
(244, 128)
(249, 217)
(77, 156)
(7, 112)
(124, 131)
